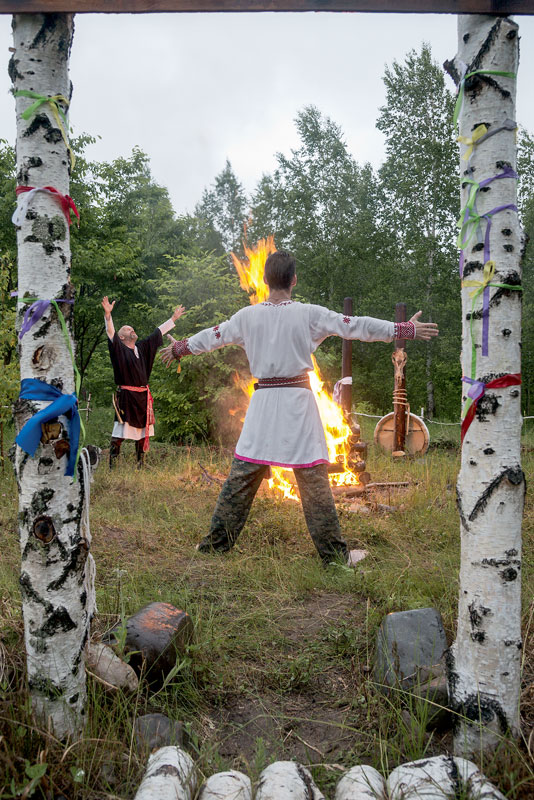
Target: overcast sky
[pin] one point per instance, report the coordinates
(194, 89)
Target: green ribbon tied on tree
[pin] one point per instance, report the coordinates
(57, 113)
(461, 87)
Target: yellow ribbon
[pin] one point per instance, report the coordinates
(471, 141)
(487, 276)
(57, 113)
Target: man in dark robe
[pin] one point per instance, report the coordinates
(132, 361)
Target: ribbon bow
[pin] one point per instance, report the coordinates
(479, 132)
(487, 276)
(57, 113)
(25, 194)
(478, 389)
(461, 87)
(67, 404)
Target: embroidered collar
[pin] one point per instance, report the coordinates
(283, 303)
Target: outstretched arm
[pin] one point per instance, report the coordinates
(423, 330)
(108, 308)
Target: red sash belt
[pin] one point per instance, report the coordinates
(150, 419)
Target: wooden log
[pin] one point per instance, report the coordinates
(170, 775)
(493, 7)
(399, 392)
(440, 778)
(361, 783)
(348, 491)
(346, 364)
(287, 780)
(231, 785)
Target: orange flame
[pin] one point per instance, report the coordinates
(337, 432)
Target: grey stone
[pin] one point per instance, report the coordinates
(155, 637)
(431, 700)
(156, 730)
(407, 643)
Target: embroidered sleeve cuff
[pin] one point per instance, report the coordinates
(181, 349)
(404, 330)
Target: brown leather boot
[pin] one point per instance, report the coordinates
(114, 451)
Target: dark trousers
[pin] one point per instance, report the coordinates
(115, 451)
(238, 492)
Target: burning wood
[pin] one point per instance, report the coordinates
(346, 460)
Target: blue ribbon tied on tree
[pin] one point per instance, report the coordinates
(60, 404)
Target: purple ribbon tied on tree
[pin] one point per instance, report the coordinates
(35, 312)
(477, 388)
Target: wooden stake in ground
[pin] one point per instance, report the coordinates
(55, 570)
(399, 358)
(484, 662)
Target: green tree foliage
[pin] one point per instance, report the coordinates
(420, 204)
(194, 403)
(224, 208)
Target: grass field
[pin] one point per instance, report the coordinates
(281, 662)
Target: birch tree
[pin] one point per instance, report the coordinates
(484, 662)
(55, 566)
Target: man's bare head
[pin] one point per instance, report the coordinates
(128, 335)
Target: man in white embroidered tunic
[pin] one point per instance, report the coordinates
(282, 426)
(132, 365)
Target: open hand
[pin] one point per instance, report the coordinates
(424, 330)
(107, 306)
(166, 354)
(177, 313)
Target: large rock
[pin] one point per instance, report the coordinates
(156, 730)
(155, 636)
(409, 642)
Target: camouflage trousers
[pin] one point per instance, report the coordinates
(238, 492)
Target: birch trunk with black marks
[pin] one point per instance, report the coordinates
(55, 569)
(484, 662)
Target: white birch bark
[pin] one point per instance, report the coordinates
(361, 783)
(484, 661)
(55, 568)
(231, 785)
(440, 778)
(287, 780)
(170, 775)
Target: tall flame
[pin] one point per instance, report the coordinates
(337, 432)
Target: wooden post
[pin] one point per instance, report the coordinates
(346, 365)
(399, 388)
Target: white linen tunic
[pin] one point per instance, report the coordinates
(282, 426)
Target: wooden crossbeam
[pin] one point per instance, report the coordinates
(499, 7)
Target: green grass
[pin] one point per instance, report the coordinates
(280, 666)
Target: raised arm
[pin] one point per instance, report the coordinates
(108, 308)
(165, 327)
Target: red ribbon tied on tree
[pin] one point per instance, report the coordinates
(478, 389)
(27, 192)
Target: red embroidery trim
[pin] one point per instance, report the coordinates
(346, 320)
(180, 349)
(404, 330)
(216, 331)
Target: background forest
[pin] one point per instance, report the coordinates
(381, 236)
